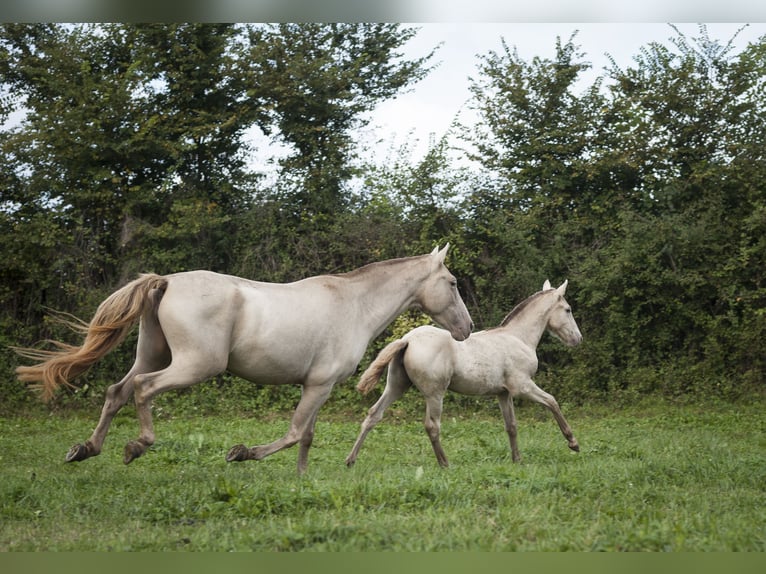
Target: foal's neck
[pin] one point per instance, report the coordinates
(530, 324)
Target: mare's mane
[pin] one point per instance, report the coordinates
(375, 265)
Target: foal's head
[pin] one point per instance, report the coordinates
(561, 322)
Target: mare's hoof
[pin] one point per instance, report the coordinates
(574, 446)
(238, 453)
(133, 450)
(77, 453)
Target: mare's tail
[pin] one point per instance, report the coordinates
(109, 326)
(372, 375)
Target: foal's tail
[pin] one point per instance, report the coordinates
(109, 326)
(372, 375)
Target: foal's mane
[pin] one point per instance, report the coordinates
(520, 307)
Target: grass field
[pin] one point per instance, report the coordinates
(658, 477)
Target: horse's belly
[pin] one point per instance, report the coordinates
(478, 380)
(476, 372)
(477, 387)
(293, 365)
(265, 370)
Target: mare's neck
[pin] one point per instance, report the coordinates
(384, 290)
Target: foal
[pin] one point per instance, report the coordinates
(499, 362)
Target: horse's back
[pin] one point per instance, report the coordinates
(273, 333)
(477, 366)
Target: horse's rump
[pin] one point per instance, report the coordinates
(372, 375)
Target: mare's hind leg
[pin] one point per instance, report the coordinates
(152, 353)
(533, 392)
(183, 371)
(397, 384)
(116, 397)
(433, 426)
(511, 427)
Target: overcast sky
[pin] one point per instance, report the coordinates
(432, 105)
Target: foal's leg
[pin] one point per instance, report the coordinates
(509, 416)
(535, 393)
(433, 426)
(397, 384)
(301, 429)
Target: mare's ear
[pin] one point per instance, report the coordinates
(440, 256)
(563, 287)
(547, 285)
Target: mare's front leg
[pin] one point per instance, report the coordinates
(535, 393)
(511, 427)
(301, 429)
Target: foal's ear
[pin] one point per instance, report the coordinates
(547, 285)
(563, 287)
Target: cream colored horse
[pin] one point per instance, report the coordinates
(497, 362)
(197, 324)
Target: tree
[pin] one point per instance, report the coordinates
(637, 191)
(124, 146)
(539, 142)
(199, 105)
(319, 80)
(703, 163)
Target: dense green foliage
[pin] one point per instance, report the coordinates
(644, 189)
(661, 477)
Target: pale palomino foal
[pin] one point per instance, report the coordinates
(196, 324)
(500, 361)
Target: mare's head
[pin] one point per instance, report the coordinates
(438, 297)
(561, 322)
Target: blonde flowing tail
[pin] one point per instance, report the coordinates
(109, 326)
(372, 375)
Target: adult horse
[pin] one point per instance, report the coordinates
(196, 324)
(499, 361)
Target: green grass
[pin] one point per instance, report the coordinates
(658, 477)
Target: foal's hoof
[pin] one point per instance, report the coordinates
(238, 453)
(133, 450)
(78, 452)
